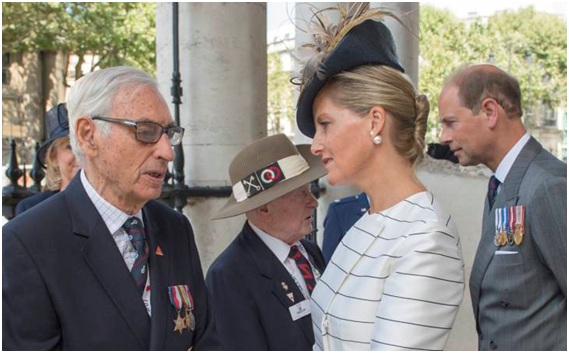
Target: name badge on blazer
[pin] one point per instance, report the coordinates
(300, 310)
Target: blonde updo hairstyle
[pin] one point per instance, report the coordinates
(365, 87)
(52, 173)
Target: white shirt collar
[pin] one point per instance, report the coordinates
(112, 216)
(506, 163)
(277, 246)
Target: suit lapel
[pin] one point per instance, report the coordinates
(519, 169)
(282, 283)
(486, 249)
(159, 274)
(105, 261)
(507, 196)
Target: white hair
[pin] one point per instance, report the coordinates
(93, 95)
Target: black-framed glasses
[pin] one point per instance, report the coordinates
(149, 132)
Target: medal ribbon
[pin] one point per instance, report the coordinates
(509, 236)
(520, 217)
(175, 298)
(504, 219)
(512, 217)
(186, 296)
(498, 220)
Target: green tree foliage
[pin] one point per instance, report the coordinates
(280, 97)
(530, 45)
(116, 33)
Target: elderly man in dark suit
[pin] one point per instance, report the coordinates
(518, 282)
(100, 265)
(261, 283)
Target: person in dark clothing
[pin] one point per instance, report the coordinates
(261, 284)
(55, 156)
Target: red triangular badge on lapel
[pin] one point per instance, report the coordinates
(290, 296)
(158, 251)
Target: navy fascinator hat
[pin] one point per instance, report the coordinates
(57, 125)
(367, 43)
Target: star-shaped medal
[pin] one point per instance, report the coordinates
(180, 324)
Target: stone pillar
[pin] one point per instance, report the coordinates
(406, 37)
(224, 104)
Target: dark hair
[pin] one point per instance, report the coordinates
(477, 83)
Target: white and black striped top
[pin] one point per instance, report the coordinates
(395, 281)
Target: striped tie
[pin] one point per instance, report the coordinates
(135, 230)
(304, 267)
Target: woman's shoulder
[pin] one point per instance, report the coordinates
(425, 214)
(419, 208)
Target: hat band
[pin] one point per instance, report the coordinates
(269, 176)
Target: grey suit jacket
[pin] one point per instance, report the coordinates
(520, 299)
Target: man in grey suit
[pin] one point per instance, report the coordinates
(519, 276)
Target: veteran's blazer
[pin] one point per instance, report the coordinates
(65, 284)
(249, 286)
(519, 294)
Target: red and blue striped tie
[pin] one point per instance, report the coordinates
(135, 230)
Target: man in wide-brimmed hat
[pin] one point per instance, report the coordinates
(262, 282)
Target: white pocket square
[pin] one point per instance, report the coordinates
(505, 252)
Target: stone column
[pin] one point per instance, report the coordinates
(224, 104)
(406, 37)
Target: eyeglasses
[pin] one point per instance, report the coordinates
(149, 132)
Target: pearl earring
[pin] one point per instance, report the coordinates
(377, 140)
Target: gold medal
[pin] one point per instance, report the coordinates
(497, 239)
(503, 238)
(510, 238)
(518, 236)
(180, 324)
(520, 224)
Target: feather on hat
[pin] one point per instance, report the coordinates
(358, 38)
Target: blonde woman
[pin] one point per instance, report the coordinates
(55, 156)
(396, 279)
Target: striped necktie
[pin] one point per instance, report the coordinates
(135, 230)
(304, 267)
